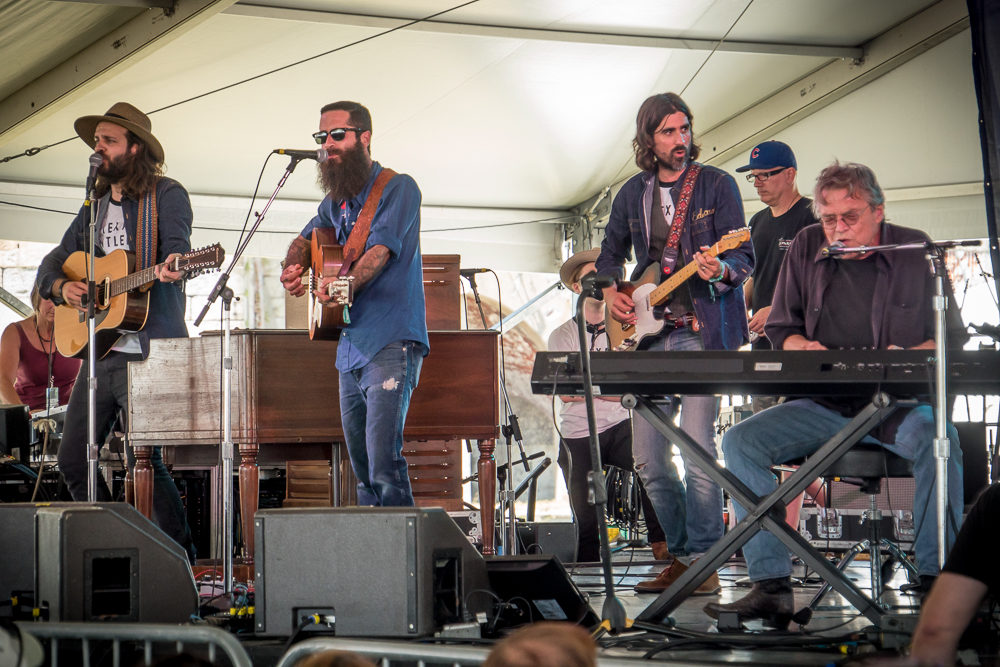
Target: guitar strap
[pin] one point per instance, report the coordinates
(670, 253)
(355, 245)
(145, 250)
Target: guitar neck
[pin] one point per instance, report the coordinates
(667, 287)
(132, 281)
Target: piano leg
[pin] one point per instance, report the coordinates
(487, 469)
(249, 493)
(143, 480)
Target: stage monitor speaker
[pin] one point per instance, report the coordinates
(543, 583)
(109, 563)
(558, 538)
(380, 572)
(17, 525)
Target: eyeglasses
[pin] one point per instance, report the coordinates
(850, 218)
(764, 175)
(337, 134)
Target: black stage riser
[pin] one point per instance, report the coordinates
(381, 572)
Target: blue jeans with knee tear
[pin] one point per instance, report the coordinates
(374, 400)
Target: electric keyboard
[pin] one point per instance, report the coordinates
(773, 372)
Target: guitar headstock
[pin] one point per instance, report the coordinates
(201, 260)
(733, 239)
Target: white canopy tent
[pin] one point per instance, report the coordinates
(512, 115)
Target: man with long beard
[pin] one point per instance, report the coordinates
(129, 179)
(381, 350)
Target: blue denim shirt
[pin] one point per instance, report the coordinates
(167, 302)
(391, 307)
(715, 209)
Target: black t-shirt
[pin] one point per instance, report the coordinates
(771, 237)
(978, 543)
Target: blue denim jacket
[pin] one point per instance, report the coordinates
(715, 209)
(167, 302)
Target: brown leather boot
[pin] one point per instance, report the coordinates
(669, 575)
(770, 600)
(660, 551)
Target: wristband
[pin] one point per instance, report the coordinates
(57, 297)
(722, 274)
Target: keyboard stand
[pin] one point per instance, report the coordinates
(767, 513)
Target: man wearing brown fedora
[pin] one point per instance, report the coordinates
(135, 201)
(614, 423)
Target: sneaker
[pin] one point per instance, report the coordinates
(669, 575)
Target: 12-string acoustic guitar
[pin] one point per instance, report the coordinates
(651, 299)
(121, 304)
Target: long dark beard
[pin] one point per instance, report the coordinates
(345, 179)
(114, 172)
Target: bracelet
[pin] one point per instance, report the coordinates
(722, 274)
(57, 297)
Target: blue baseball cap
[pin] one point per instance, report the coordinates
(770, 155)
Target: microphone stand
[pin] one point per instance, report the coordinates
(942, 445)
(511, 431)
(226, 370)
(93, 447)
(613, 612)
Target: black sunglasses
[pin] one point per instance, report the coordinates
(337, 134)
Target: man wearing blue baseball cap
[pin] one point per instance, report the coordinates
(772, 170)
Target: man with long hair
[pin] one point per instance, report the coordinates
(130, 174)
(382, 348)
(669, 215)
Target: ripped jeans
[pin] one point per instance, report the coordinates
(374, 400)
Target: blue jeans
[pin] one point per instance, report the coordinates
(112, 396)
(373, 404)
(798, 428)
(691, 518)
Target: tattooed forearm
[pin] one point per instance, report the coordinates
(369, 265)
(298, 253)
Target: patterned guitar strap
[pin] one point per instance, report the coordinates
(670, 249)
(145, 243)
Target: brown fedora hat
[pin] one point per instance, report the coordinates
(570, 266)
(127, 116)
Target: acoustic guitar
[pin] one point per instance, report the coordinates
(121, 304)
(326, 321)
(651, 299)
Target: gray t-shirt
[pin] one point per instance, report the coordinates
(573, 416)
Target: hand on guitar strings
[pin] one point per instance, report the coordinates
(163, 271)
(291, 279)
(74, 292)
(621, 305)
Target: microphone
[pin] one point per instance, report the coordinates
(319, 154)
(96, 159)
(468, 273)
(593, 284)
(834, 249)
(989, 330)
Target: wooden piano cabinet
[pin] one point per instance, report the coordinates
(285, 394)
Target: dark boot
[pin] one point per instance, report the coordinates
(770, 600)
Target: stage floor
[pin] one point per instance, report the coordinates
(834, 619)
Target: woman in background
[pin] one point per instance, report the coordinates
(29, 361)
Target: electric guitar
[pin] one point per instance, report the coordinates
(650, 299)
(121, 305)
